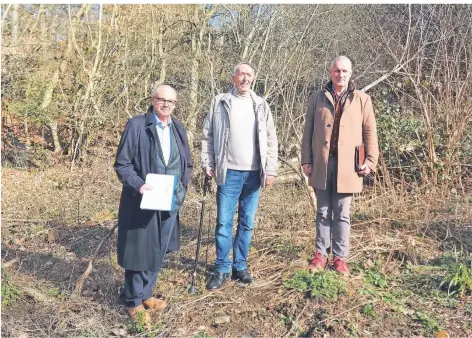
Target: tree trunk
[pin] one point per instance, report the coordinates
(89, 93)
(47, 96)
(28, 139)
(248, 40)
(52, 124)
(162, 57)
(15, 24)
(192, 118)
(197, 40)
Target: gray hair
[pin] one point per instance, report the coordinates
(163, 87)
(241, 64)
(340, 58)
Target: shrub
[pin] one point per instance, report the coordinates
(459, 280)
(376, 278)
(326, 284)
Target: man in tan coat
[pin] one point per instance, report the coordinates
(338, 119)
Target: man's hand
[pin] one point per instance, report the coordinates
(208, 171)
(365, 170)
(144, 187)
(307, 169)
(269, 180)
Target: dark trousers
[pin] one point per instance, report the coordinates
(140, 284)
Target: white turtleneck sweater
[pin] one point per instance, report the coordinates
(242, 133)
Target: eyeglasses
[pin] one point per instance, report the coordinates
(164, 101)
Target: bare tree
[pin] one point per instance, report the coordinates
(15, 24)
(78, 72)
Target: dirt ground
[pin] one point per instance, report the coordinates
(403, 245)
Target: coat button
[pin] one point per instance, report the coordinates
(329, 126)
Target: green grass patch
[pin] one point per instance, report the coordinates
(8, 291)
(369, 290)
(55, 292)
(468, 309)
(140, 322)
(373, 275)
(326, 284)
(368, 311)
(287, 320)
(287, 249)
(376, 278)
(459, 280)
(396, 296)
(202, 334)
(429, 324)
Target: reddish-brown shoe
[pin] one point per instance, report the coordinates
(318, 262)
(154, 303)
(341, 266)
(139, 315)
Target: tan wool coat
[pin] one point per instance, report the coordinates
(357, 126)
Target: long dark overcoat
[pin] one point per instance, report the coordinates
(138, 232)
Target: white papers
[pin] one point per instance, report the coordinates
(161, 197)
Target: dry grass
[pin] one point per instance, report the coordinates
(402, 231)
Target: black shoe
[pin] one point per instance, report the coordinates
(244, 276)
(217, 280)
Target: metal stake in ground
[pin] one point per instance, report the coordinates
(208, 240)
(206, 183)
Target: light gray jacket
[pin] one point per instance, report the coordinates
(216, 131)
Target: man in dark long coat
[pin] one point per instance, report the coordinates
(156, 143)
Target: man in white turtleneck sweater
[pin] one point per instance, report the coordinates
(239, 149)
(242, 134)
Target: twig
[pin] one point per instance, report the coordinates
(348, 310)
(271, 267)
(11, 262)
(37, 295)
(78, 286)
(272, 280)
(186, 305)
(25, 220)
(296, 320)
(377, 220)
(304, 180)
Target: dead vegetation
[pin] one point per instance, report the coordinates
(64, 103)
(398, 238)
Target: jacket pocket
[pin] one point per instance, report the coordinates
(179, 194)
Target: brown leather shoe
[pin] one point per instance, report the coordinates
(154, 303)
(318, 262)
(139, 314)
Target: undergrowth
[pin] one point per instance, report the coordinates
(326, 284)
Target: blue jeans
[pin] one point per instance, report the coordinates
(242, 186)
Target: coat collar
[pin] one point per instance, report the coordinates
(151, 119)
(257, 100)
(328, 91)
(350, 86)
